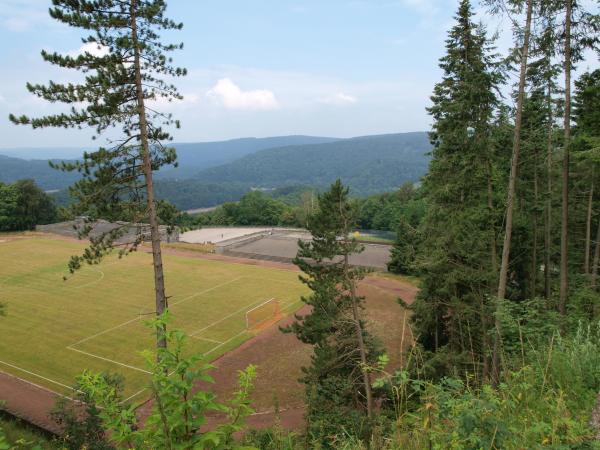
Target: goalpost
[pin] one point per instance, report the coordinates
(267, 311)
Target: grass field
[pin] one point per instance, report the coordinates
(54, 329)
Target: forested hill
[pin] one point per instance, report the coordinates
(13, 169)
(196, 156)
(368, 164)
(32, 163)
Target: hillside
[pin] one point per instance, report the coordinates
(368, 164)
(33, 162)
(196, 156)
(13, 169)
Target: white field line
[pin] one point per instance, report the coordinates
(41, 377)
(292, 304)
(138, 317)
(226, 342)
(242, 309)
(254, 309)
(206, 339)
(207, 290)
(109, 360)
(134, 395)
(91, 282)
(258, 306)
(103, 332)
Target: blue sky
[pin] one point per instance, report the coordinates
(260, 68)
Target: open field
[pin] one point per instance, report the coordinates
(54, 328)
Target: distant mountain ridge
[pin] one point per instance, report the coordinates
(367, 163)
(193, 157)
(20, 163)
(212, 173)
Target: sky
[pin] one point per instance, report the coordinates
(259, 68)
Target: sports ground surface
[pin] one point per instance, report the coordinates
(95, 320)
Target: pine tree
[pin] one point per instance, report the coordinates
(338, 383)
(403, 253)
(459, 262)
(586, 149)
(119, 81)
(580, 32)
(512, 182)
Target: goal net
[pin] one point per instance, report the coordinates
(264, 314)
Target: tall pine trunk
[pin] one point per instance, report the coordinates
(159, 280)
(361, 342)
(494, 265)
(534, 252)
(548, 215)
(564, 232)
(588, 229)
(596, 260)
(512, 183)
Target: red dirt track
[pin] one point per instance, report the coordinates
(279, 358)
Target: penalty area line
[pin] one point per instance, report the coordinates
(29, 372)
(242, 309)
(226, 342)
(205, 339)
(109, 360)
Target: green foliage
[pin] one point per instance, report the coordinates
(334, 388)
(23, 205)
(81, 421)
(526, 324)
(387, 211)
(18, 435)
(404, 251)
(115, 181)
(459, 245)
(369, 165)
(179, 408)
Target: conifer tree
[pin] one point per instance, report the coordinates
(338, 383)
(123, 71)
(580, 32)
(564, 233)
(458, 260)
(512, 181)
(586, 147)
(402, 255)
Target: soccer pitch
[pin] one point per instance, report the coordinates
(55, 329)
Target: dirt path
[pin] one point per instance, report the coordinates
(28, 401)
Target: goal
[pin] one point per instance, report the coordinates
(264, 314)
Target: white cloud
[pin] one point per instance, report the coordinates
(338, 99)
(229, 95)
(92, 48)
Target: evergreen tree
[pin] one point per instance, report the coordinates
(120, 81)
(458, 257)
(580, 31)
(512, 180)
(403, 253)
(586, 150)
(338, 383)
